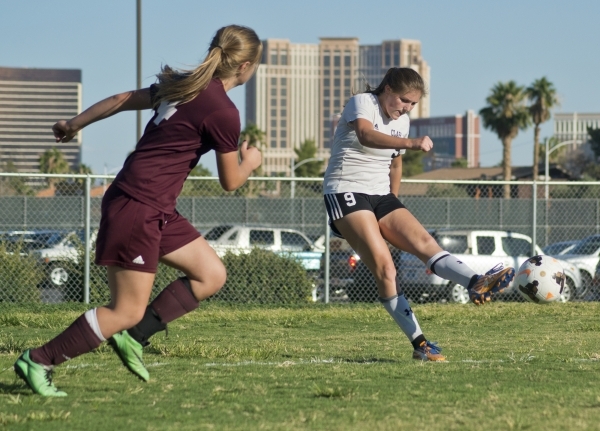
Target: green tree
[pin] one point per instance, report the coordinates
(594, 140)
(83, 169)
(446, 191)
(53, 162)
(14, 186)
(202, 187)
(542, 96)
(257, 138)
(73, 186)
(505, 115)
(308, 150)
(460, 163)
(412, 163)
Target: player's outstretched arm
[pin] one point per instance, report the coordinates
(369, 137)
(136, 100)
(234, 171)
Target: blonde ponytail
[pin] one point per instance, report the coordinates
(230, 48)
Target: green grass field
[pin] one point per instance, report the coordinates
(511, 366)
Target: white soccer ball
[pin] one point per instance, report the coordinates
(541, 279)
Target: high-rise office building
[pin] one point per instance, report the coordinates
(299, 90)
(454, 137)
(339, 73)
(282, 99)
(31, 101)
(375, 60)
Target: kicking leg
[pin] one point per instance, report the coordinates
(405, 232)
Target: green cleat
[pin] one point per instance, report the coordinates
(130, 353)
(37, 376)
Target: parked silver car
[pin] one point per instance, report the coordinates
(560, 248)
(242, 239)
(585, 256)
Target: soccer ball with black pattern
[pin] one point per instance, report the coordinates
(540, 279)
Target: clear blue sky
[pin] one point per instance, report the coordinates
(470, 45)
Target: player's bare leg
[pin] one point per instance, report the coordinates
(130, 291)
(205, 275)
(362, 232)
(405, 232)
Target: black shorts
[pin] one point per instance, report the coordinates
(341, 204)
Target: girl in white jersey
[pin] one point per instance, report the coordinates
(361, 186)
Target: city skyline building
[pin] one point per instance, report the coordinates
(31, 101)
(299, 90)
(281, 99)
(573, 127)
(454, 137)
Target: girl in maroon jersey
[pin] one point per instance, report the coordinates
(140, 225)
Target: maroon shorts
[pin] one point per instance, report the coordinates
(135, 236)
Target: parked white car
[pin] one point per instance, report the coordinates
(242, 239)
(481, 250)
(64, 251)
(585, 256)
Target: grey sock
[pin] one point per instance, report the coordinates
(399, 309)
(449, 267)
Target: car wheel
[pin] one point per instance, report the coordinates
(458, 294)
(586, 284)
(57, 274)
(567, 294)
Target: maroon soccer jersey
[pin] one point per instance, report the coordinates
(173, 142)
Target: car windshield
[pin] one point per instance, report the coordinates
(31, 240)
(216, 232)
(557, 248)
(587, 246)
(456, 244)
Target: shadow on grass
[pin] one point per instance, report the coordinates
(16, 388)
(365, 360)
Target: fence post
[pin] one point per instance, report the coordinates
(534, 221)
(327, 249)
(86, 253)
(24, 212)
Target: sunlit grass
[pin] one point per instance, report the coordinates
(510, 366)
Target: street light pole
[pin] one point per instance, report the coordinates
(547, 156)
(547, 173)
(293, 168)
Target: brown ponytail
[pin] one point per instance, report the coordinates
(401, 80)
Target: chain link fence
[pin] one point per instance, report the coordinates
(271, 235)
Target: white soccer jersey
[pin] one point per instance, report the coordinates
(354, 167)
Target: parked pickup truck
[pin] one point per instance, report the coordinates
(481, 250)
(242, 239)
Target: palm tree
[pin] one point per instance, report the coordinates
(257, 138)
(53, 162)
(83, 169)
(542, 95)
(505, 114)
(308, 150)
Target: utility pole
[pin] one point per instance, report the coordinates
(139, 63)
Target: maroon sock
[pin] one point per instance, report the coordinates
(174, 301)
(76, 340)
